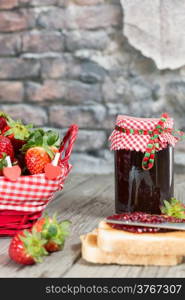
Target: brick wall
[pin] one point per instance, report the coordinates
(64, 61)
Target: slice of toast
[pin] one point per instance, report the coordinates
(91, 253)
(114, 240)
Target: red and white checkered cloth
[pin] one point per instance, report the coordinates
(138, 142)
(22, 202)
(30, 193)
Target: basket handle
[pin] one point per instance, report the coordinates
(66, 145)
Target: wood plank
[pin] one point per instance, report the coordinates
(83, 269)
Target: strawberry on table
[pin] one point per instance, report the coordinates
(27, 248)
(53, 232)
(40, 150)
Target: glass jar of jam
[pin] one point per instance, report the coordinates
(136, 142)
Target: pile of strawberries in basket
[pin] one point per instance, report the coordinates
(30, 149)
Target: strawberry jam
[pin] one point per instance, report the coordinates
(145, 218)
(142, 190)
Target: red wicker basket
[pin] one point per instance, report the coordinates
(22, 202)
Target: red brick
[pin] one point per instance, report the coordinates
(85, 39)
(26, 113)
(70, 91)
(11, 21)
(54, 67)
(65, 66)
(49, 90)
(11, 91)
(69, 67)
(10, 44)
(42, 41)
(92, 17)
(8, 4)
(79, 93)
(85, 17)
(18, 68)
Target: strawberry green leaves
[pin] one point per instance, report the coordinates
(19, 131)
(55, 231)
(34, 245)
(40, 138)
(173, 208)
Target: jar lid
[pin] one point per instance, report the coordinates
(133, 133)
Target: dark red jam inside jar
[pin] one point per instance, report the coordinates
(137, 189)
(140, 190)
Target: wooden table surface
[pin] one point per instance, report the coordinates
(84, 200)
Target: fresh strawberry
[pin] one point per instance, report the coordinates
(174, 208)
(53, 232)
(27, 248)
(17, 133)
(6, 147)
(40, 150)
(36, 158)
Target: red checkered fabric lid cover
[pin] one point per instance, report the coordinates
(139, 142)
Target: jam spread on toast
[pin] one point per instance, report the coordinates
(145, 218)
